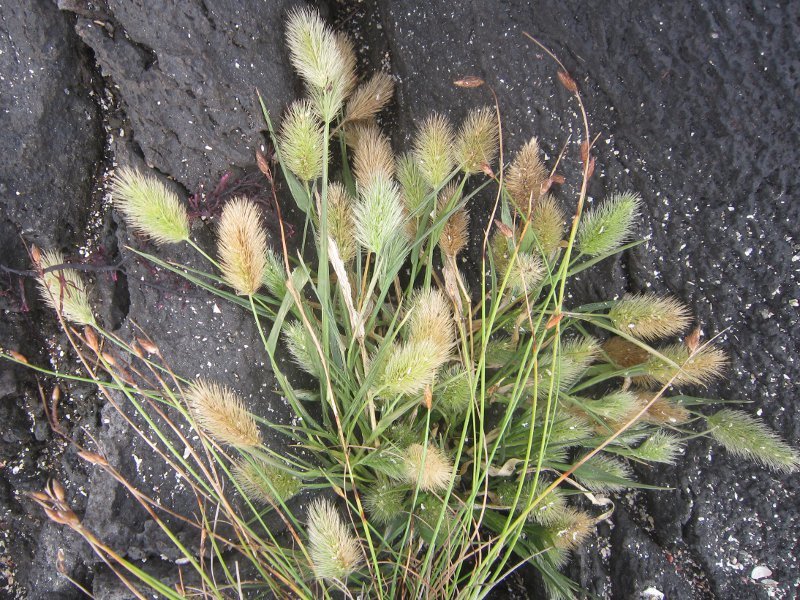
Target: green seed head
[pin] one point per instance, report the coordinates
(649, 317)
(64, 289)
(607, 227)
(149, 207)
(302, 141)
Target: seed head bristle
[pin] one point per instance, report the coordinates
(700, 368)
(410, 367)
(275, 275)
(301, 347)
(455, 233)
(547, 224)
(660, 447)
(149, 207)
(63, 289)
(347, 52)
(384, 502)
(370, 97)
(379, 215)
(302, 141)
(476, 144)
(649, 317)
(321, 60)
(428, 467)
(433, 150)
(526, 273)
(663, 411)
(431, 318)
(603, 473)
(242, 246)
(571, 528)
(747, 437)
(341, 223)
(335, 552)
(526, 175)
(221, 414)
(373, 155)
(606, 228)
(265, 483)
(453, 395)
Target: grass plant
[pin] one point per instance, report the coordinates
(451, 433)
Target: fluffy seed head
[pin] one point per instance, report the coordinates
(302, 140)
(321, 59)
(64, 289)
(433, 150)
(242, 246)
(663, 411)
(411, 366)
(571, 528)
(701, 368)
(373, 155)
(607, 227)
(430, 468)
(649, 317)
(603, 474)
(379, 215)
(347, 52)
(265, 483)
(526, 273)
(660, 448)
(335, 552)
(477, 141)
(149, 207)
(341, 224)
(384, 502)
(431, 319)
(370, 97)
(453, 395)
(275, 275)
(747, 437)
(455, 233)
(414, 192)
(614, 407)
(301, 346)
(221, 414)
(526, 175)
(547, 224)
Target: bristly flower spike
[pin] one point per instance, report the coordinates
(149, 207)
(242, 246)
(321, 59)
(748, 437)
(221, 414)
(302, 140)
(335, 552)
(379, 215)
(476, 144)
(429, 467)
(373, 154)
(455, 233)
(526, 175)
(265, 483)
(649, 317)
(607, 227)
(64, 289)
(370, 98)
(433, 150)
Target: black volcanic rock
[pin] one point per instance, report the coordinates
(695, 103)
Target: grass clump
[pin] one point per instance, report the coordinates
(455, 426)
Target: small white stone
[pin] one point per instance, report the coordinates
(760, 572)
(652, 593)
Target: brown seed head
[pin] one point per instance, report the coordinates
(455, 234)
(221, 413)
(373, 154)
(370, 97)
(526, 175)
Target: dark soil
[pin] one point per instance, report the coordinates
(696, 104)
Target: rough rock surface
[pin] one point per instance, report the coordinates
(694, 103)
